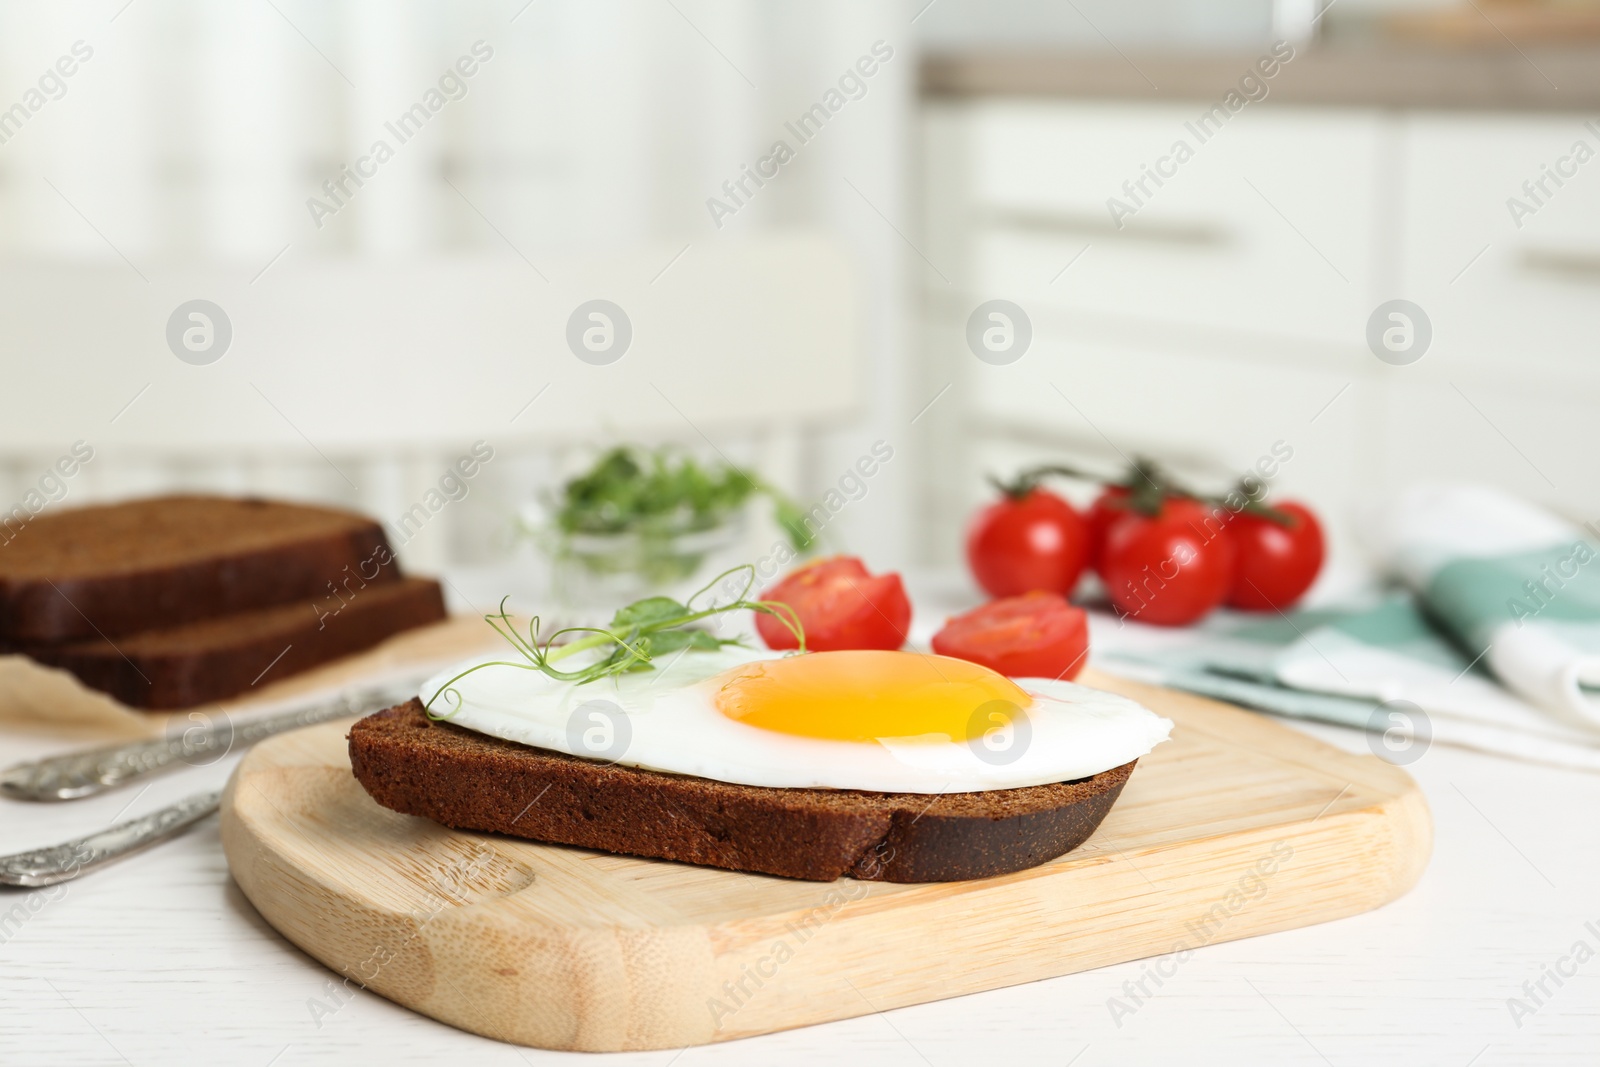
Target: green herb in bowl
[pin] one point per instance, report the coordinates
(653, 515)
(631, 490)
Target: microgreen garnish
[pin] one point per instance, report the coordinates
(636, 635)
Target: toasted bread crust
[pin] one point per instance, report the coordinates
(217, 658)
(470, 781)
(115, 569)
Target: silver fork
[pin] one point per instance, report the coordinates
(60, 863)
(89, 772)
(84, 774)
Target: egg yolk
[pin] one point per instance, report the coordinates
(862, 696)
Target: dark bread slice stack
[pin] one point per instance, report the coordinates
(217, 658)
(114, 569)
(175, 601)
(469, 781)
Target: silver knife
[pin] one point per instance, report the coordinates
(89, 772)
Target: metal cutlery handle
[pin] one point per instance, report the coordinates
(60, 863)
(89, 772)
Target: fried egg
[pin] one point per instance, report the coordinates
(895, 722)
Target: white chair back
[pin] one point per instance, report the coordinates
(360, 382)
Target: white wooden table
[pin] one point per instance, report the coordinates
(161, 960)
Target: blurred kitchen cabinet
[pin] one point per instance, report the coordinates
(1228, 309)
(1266, 227)
(1500, 238)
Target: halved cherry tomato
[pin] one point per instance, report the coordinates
(1021, 543)
(840, 606)
(1276, 563)
(1170, 568)
(1036, 635)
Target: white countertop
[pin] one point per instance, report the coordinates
(161, 959)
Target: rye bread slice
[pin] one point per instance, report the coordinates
(148, 564)
(213, 659)
(469, 781)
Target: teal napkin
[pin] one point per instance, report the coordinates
(1365, 666)
(1507, 581)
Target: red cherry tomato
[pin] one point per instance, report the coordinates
(1110, 505)
(1036, 635)
(1035, 541)
(840, 606)
(1171, 568)
(1275, 564)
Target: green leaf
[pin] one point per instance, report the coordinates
(660, 644)
(651, 611)
(668, 641)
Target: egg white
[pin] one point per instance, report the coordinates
(1076, 732)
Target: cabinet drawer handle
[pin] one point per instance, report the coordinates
(1575, 266)
(1101, 228)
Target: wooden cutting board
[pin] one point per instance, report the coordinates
(1237, 826)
